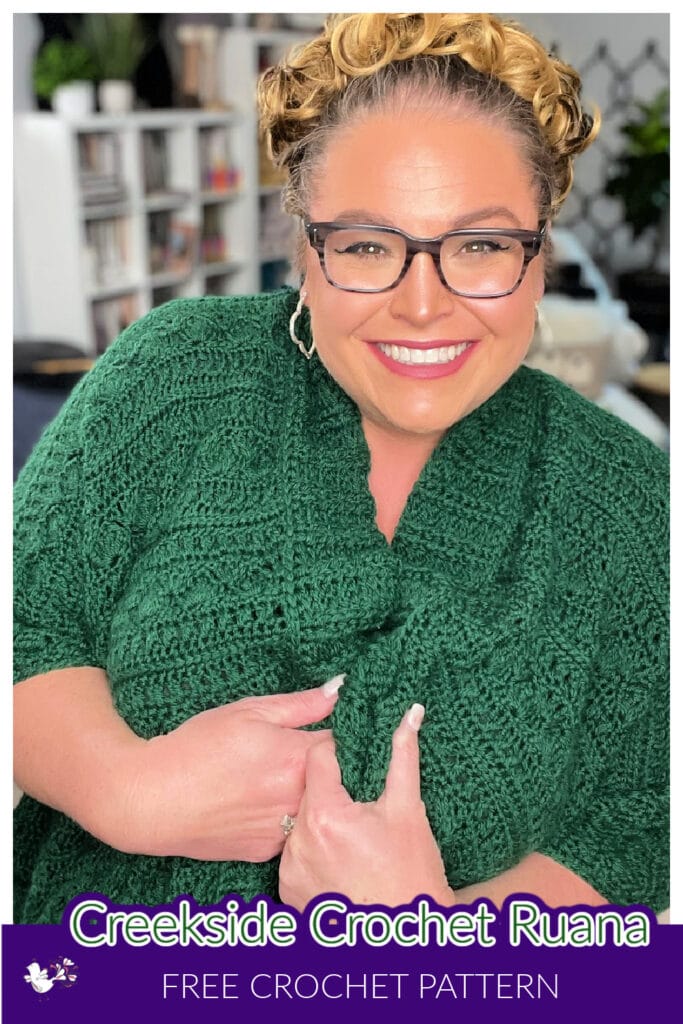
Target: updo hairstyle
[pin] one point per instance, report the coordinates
(361, 62)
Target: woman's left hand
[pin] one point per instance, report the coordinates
(379, 852)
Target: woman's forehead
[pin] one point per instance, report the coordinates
(437, 166)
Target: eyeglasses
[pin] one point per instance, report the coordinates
(476, 264)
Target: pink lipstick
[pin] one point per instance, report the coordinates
(439, 358)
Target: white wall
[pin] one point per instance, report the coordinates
(27, 35)
(576, 37)
(576, 34)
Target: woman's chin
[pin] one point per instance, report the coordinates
(426, 424)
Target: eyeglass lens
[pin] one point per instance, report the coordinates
(474, 264)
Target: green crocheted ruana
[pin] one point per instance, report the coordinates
(198, 523)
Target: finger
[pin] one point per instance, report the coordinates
(304, 740)
(314, 736)
(323, 782)
(403, 777)
(304, 707)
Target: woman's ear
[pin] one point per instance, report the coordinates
(304, 291)
(539, 289)
(545, 261)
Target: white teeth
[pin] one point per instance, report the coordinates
(417, 356)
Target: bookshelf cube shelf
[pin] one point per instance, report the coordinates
(242, 54)
(115, 215)
(218, 172)
(109, 315)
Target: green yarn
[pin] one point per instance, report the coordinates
(197, 522)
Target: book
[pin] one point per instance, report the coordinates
(110, 317)
(218, 171)
(99, 168)
(107, 251)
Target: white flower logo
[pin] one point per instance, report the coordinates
(65, 970)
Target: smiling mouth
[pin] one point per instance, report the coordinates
(422, 356)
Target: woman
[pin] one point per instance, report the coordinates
(220, 520)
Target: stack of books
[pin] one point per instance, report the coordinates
(110, 317)
(107, 251)
(172, 244)
(218, 171)
(99, 161)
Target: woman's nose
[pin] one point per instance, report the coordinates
(421, 297)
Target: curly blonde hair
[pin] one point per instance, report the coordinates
(360, 61)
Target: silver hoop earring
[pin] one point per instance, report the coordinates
(308, 352)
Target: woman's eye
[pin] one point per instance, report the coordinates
(363, 249)
(483, 246)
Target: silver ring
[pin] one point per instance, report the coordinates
(287, 823)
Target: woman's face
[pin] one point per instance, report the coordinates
(425, 174)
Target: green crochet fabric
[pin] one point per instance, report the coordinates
(198, 523)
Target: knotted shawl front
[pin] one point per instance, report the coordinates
(198, 523)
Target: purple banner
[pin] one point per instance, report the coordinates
(255, 961)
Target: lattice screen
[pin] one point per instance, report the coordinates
(596, 218)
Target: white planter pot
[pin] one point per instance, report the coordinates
(116, 97)
(74, 99)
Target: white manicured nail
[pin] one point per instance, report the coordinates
(332, 686)
(415, 716)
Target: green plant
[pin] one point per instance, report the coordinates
(58, 62)
(642, 179)
(116, 42)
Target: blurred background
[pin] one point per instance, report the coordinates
(139, 177)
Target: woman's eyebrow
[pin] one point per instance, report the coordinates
(486, 213)
(471, 217)
(363, 217)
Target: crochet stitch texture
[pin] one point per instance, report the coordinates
(197, 522)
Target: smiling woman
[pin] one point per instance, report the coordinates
(436, 171)
(220, 520)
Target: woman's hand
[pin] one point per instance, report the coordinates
(217, 787)
(380, 852)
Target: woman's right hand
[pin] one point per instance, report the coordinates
(217, 787)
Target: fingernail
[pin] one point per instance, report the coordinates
(414, 716)
(333, 686)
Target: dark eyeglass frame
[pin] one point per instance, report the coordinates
(531, 241)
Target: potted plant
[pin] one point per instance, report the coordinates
(63, 73)
(116, 43)
(642, 172)
(641, 180)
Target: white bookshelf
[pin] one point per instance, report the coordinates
(242, 55)
(84, 264)
(64, 287)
